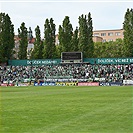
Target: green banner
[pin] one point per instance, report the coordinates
(103, 61)
(33, 62)
(114, 61)
(109, 60)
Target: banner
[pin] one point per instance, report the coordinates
(55, 84)
(92, 61)
(34, 62)
(88, 84)
(115, 84)
(110, 84)
(5, 84)
(66, 80)
(104, 84)
(127, 82)
(114, 61)
(22, 84)
(60, 84)
(10, 84)
(66, 83)
(105, 61)
(45, 84)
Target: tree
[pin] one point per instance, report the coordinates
(37, 53)
(75, 41)
(118, 48)
(58, 54)
(49, 39)
(22, 33)
(100, 50)
(112, 49)
(65, 35)
(90, 36)
(128, 33)
(6, 37)
(85, 35)
(1, 40)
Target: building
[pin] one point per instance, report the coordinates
(107, 35)
(29, 48)
(103, 35)
(16, 48)
(97, 39)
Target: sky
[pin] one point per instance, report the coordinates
(105, 14)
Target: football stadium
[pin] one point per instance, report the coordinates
(53, 96)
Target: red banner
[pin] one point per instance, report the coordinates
(88, 84)
(3, 84)
(10, 84)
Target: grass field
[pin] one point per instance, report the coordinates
(66, 109)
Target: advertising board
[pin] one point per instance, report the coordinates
(127, 82)
(44, 84)
(5, 84)
(88, 84)
(66, 83)
(110, 84)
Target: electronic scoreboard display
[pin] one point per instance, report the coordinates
(71, 57)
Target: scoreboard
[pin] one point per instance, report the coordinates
(71, 57)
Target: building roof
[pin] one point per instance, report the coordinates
(107, 30)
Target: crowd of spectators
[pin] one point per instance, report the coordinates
(86, 72)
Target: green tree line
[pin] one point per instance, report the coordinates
(6, 38)
(70, 39)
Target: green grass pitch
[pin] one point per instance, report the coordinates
(68, 109)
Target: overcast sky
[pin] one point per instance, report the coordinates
(105, 14)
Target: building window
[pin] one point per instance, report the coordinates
(110, 34)
(117, 33)
(96, 34)
(103, 34)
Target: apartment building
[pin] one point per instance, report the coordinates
(103, 35)
(107, 35)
